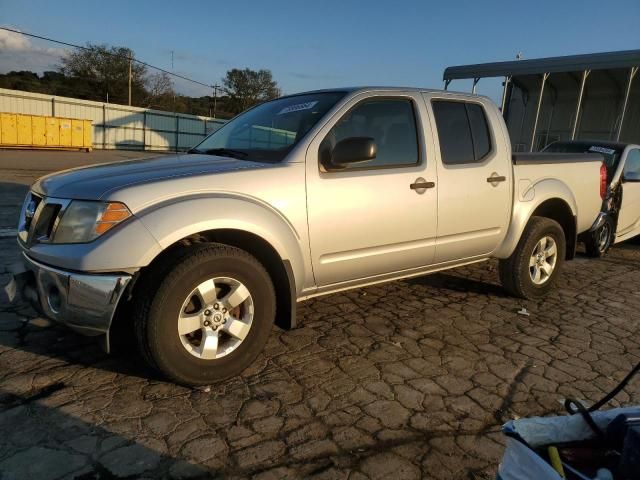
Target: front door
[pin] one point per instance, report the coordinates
(372, 218)
(474, 178)
(629, 216)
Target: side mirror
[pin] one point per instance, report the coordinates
(353, 150)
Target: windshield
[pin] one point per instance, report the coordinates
(269, 131)
(611, 155)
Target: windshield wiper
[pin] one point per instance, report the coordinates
(223, 152)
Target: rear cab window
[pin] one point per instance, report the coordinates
(463, 132)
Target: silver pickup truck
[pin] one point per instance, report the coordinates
(301, 196)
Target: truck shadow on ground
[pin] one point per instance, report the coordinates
(34, 334)
(459, 284)
(486, 286)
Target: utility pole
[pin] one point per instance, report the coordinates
(174, 92)
(215, 98)
(130, 64)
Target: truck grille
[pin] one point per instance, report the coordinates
(39, 218)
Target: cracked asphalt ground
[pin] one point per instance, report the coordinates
(406, 380)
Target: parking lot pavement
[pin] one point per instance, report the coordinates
(405, 380)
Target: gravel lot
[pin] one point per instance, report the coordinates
(406, 380)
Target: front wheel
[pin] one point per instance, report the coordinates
(532, 268)
(209, 317)
(598, 242)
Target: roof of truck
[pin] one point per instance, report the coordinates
(378, 88)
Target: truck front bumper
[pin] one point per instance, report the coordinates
(84, 302)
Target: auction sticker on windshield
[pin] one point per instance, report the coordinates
(596, 149)
(297, 107)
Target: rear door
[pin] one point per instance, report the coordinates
(474, 177)
(629, 216)
(367, 220)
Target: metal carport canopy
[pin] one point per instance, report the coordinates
(571, 63)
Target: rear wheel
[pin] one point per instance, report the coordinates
(598, 242)
(210, 316)
(532, 268)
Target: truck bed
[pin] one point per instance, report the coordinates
(580, 174)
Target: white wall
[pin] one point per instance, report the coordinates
(117, 126)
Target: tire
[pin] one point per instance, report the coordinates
(516, 274)
(598, 242)
(170, 301)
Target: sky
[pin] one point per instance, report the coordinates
(321, 44)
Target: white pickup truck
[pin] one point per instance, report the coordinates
(301, 196)
(620, 216)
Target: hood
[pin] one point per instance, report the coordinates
(94, 182)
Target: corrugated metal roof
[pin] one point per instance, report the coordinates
(571, 63)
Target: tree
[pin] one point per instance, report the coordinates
(106, 69)
(22, 80)
(247, 87)
(160, 92)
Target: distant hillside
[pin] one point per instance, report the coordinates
(56, 83)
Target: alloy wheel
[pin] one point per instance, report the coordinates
(215, 318)
(543, 260)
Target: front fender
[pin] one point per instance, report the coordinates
(125, 248)
(529, 196)
(173, 221)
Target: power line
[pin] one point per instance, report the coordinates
(108, 53)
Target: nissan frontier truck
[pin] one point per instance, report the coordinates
(201, 253)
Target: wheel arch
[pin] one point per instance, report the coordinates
(558, 210)
(244, 222)
(552, 199)
(280, 270)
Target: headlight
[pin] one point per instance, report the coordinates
(84, 221)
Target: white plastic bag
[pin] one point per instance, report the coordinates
(521, 463)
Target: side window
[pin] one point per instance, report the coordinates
(392, 125)
(463, 132)
(632, 165)
(479, 131)
(456, 145)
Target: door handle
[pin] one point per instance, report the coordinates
(421, 184)
(495, 178)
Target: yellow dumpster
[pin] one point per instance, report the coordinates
(65, 132)
(34, 131)
(9, 129)
(52, 134)
(77, 137)
(39, 131)
(23, 124)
